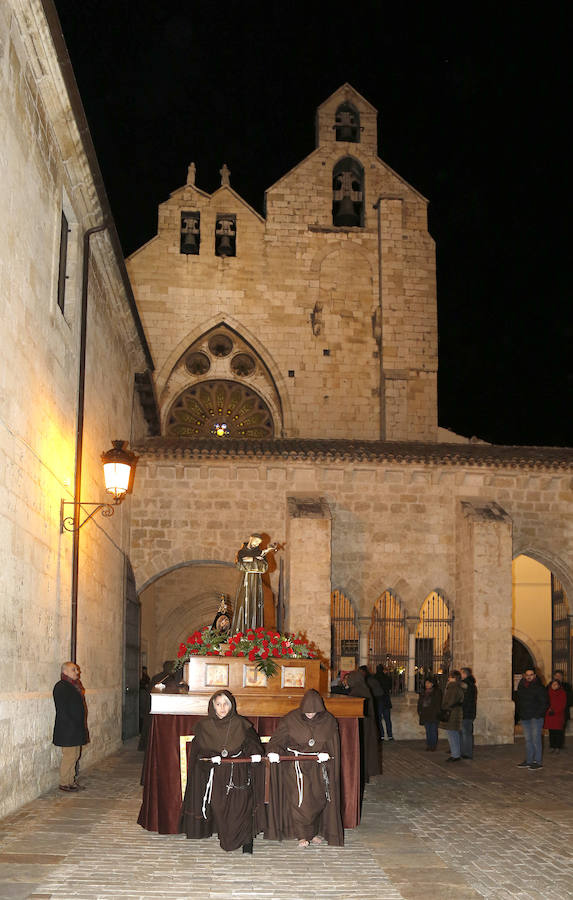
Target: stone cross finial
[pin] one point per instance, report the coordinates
(225, 174)
(191, 173)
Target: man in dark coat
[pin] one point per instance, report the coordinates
(70, 727)
(532, 703)
(385, 682)
(469, 710)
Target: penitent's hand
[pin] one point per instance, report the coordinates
(216, 760)
(323, 757)
(273, 757)
(256, 757)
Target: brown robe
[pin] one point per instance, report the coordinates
(369, 734)
(305, 796)
(233, 804)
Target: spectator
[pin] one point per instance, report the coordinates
(70, 727)
(451, 714)
(468, 683)
(559, 676)
(429, 706)
(385, 682)
(531, 706)
(555, 715)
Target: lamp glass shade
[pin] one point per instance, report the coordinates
(119, 470)
(116, 477)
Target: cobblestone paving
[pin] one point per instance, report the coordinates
(429, 830)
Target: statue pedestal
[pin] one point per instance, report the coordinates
(256, 695)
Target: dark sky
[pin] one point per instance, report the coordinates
(473, 101)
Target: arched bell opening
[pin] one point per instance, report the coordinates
(348, 193)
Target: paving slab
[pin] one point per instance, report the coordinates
(482, 828)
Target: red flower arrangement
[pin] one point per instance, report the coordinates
(259, 645)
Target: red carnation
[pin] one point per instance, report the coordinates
(182, 650)
(240, 653)
(264, 654)
(228, 652)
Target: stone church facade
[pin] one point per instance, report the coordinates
(296, 361)
(275, 374)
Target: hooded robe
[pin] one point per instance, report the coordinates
(305, 796)
(369, 734)
(225, 798)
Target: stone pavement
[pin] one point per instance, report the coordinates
(430, 829)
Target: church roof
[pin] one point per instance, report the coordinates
(360, 451)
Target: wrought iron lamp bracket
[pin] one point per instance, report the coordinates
(67, 523)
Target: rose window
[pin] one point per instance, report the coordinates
(220, 409)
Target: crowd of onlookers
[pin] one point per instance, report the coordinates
(453, 708)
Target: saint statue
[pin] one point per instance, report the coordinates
(222, 620)
(249, 603)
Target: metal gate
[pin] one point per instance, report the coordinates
(344, 630)
(434, 640)
(560, 630)
(132, 612)
(388, 640)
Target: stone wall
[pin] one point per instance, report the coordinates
(44, 169)
(305, 294)
(394, 526)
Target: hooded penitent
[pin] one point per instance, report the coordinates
(225, 798)
(305, 794)
(369, 735)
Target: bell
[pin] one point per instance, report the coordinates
(346, 214)
(345, 132)
(189, 243)
(225, 248)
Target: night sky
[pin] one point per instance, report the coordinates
(474, 106)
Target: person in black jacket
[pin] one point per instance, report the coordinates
(532, 703)
(385, 704)
(469, 707)
(70, 727)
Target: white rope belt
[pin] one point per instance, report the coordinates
(298, 773)
(208, 792)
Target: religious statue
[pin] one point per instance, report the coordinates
(249, 603)
(222, 620)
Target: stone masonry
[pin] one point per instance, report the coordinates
(306, 294)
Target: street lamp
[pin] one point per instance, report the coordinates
(119, 465)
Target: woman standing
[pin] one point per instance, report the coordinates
(555, 715)
(223, 796)
(305, 793)
(451, 714)
(429, 706)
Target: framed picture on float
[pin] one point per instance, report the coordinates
(216, 675)
(252, 677)
(293, 676)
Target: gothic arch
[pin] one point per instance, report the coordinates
(266, 380)
(348, 193)
(319, 257)
(551, 562)
(442, 594)
(165, 563)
